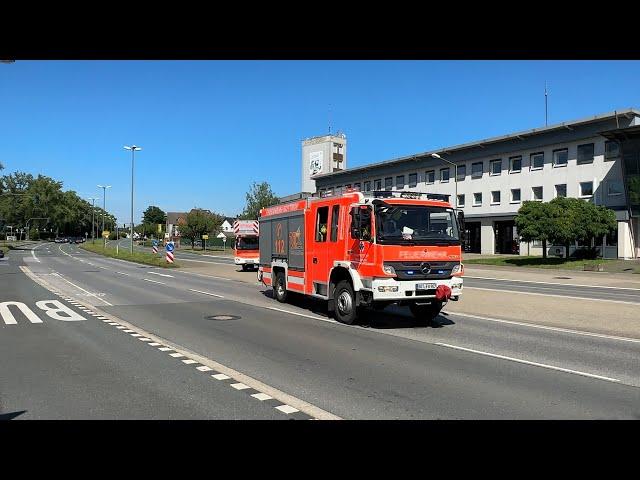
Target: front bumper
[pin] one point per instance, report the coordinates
(245, 261)
(407, 288)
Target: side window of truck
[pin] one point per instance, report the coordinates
(335, 215)
(321, 224)
(361, 218)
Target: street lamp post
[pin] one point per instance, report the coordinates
(104, 209)
(93, 211)
(435, 155)
(133, 149)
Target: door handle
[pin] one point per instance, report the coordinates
(315, 260)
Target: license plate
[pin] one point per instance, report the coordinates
(425, 286)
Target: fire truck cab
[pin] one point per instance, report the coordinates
(359, 250)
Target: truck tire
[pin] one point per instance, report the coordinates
(280, 288)
(427, 312)
(345, 303)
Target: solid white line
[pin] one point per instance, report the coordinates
(287, 409)
(161, 274)
(302, 315)
(551, 283)
(545, 327)
(221, 376)
(86, 291)
(153, 281)
(527, 362)
(554, 295)
(261, 396)
(205, 293)
(240, 386)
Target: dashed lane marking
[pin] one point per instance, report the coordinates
(206, 293)
(80, 288)
(123, 273)
(153, 281)
(261, 396)
(287, 409)
(135, 334)
(144, 339)
(204, 368)
(176, 355)
(154, 344)
(221, 376)
(161, 274)
(120, 327)
(240, 386)
(188, 361)
(165, 349)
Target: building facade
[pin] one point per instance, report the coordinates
(322, 155)
(596, 159)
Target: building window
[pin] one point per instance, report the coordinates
(461, 200)
(367, 186)
(560, 157)
(537, 161)
(515, 195)
(357, 185)
(611, 150)
(612, 238)
(378, 184)
(388, 183)
(476, 170)
(413, 180)
(495, 167)
(462, 173)
(430, 176)
(585, 153)
(400, 182)
(495, 197)
(586, 189)
(536, 193)
(444, 175)
(614, 188)
(477, 199)
(515, 164)
(561, 190)
(536, 243)
(320, 192)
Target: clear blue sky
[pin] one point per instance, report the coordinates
(210, 128)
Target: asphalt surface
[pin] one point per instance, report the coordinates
(390, 368)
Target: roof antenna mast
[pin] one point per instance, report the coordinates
(329, 119)
(546, 114)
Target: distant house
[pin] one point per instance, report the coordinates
(227, 225)
(174, 220)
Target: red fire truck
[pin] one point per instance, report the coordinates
(246, 246)
(359, 250)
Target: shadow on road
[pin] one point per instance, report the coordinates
(389, 318)
(12, 415)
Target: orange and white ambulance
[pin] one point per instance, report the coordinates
(246, 248)
(360, 250)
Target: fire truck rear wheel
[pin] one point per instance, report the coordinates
(345, 303)
(427, 312)
(280, 288)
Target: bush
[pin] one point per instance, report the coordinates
(585, 253)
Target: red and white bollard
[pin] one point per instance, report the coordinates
(169, 257)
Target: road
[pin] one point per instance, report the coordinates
(389, 368)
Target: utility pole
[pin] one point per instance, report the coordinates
(133, 149)
(546, 114)
(104, 210)
(93, 211)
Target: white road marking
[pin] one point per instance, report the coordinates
(550, 283)
(114, 323)
(205, 293)
(155, 344)
(80, 288)
(287, 409)
(176, 355)
(102, 318)
(165, 349)
(261, 396)
(554, 295)
(221, 376)
(153, 281)
(240, 386)
(545, 327)
(527, 362)
(188, 361)
(161, 274)
(204, 368)
(123, 273)
(135, 334)
(120, 327)
(33, 253)
(144, 339)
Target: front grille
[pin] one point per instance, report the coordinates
(439, 270)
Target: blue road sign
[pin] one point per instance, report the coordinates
(169, 247)
(155, 243)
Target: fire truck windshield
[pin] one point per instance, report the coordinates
(247, 243)
(415, 225)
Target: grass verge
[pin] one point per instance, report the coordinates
(137, 257)
(538, 262)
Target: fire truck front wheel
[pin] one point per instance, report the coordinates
(280, 288)
(425, 313)
(345, 304)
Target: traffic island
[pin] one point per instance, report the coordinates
(137, 257)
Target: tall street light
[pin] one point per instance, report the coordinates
(133, 149)
(104, 209)
(93, 211)
(435, 155)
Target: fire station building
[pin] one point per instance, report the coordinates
(595, 158)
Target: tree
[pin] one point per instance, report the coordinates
(154, 215)
(258, 197)
(200, 222)
(534, 223)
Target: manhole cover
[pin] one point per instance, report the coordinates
(563, 278)
(222, 317)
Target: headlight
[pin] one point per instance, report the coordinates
(456, 269)
(387, 288)
(388, 269)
